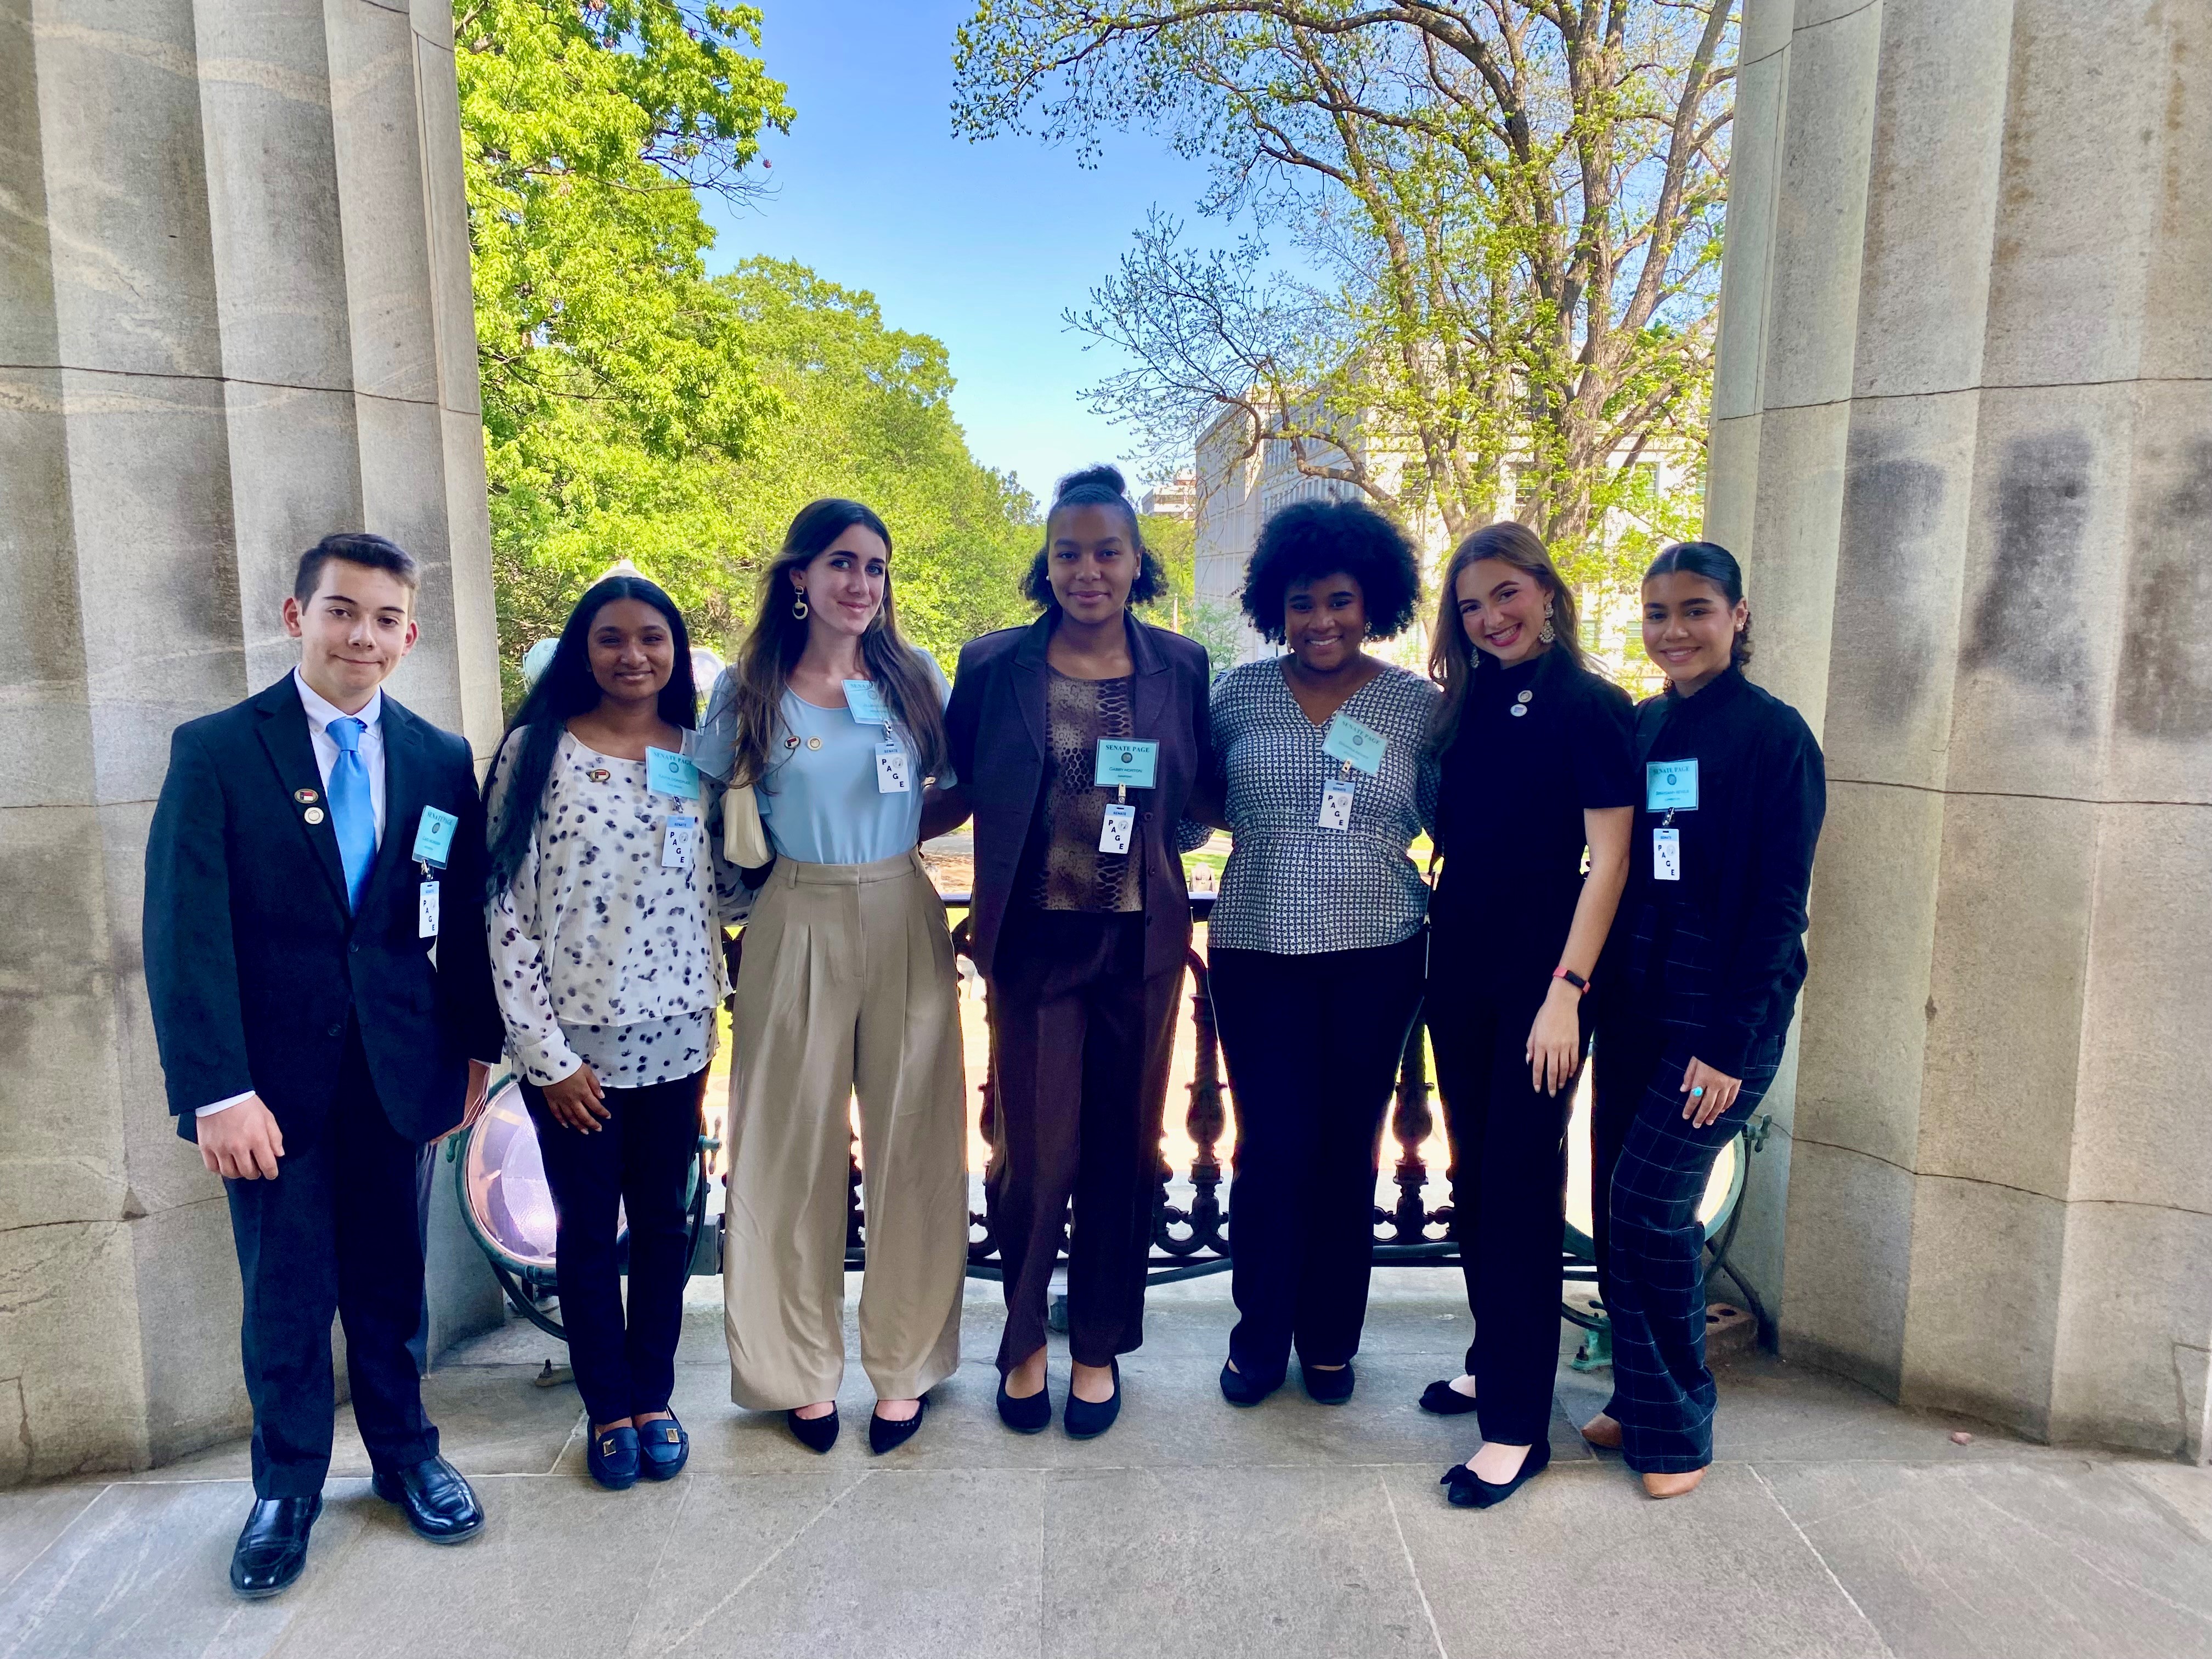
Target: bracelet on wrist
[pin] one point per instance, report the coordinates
(1572, 978)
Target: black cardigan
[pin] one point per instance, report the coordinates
(1746, 862)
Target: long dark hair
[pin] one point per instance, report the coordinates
(1709, 561)
(777, 638)
(1094, 486)
(1452, 658)
(563, 691)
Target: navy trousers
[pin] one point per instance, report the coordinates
(638, 1162)
(1313, 1045)
(1649, 1168)
(337, 1233)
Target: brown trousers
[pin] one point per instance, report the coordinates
(1080, 1047)
(847, 987)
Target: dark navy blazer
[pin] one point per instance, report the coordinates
(254, 962)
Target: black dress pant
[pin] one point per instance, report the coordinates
(640, 1159)
(1647, 1180)
(1080, 1047)
(1509, 1189)
(336, 1233)
(1313, 1045)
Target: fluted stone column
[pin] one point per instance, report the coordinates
(234, 315)
(1963, 438)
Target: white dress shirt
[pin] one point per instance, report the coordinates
(320, 713)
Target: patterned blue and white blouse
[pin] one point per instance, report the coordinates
(1292, 887)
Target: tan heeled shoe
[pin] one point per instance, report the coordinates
(1602, 1431)
(1672, 1485)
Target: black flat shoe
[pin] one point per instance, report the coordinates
(1239, 1389)
(1445, 1400)
(662, 1449)
(436, 1501)
(1030, 1414)
(272, 1546)
(817, 1434)
(1327, 1388)
(611, 1455)
(1086, 1419)
(1469, 1490)
(888, 1434)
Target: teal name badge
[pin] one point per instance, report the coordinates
(866, 700)
(1353, 744)
(1670, 786)
(1130, 761)
(434, 836)
(670, 773)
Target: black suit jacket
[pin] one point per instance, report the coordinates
(252, 961)
(996, 725)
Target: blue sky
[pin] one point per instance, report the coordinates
(983, 246)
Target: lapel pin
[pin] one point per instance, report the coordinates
(313, 815)
(598, 775)
(305, 796)
(791, 743)
(1527, 696)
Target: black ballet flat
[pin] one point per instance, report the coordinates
(1086, 1419)
(817, 1434)
(1469, 1490)
(888, 1434)
(1445, 1400)
(1030, 1414)
(1327, 1388)
(1239, 1389)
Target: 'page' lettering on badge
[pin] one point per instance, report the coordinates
(667, 773)
(1120, 823)
(892, 770)
(1670, 786)
(1129, 762)
(426, 910)
(866, 700)
(1354, 744)
(433, 839)
(676, 848)
(1666, 854)
(1335, 804)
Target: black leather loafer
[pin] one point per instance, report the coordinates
(817, 1434)
(1241, 1388)
(1030, 1414)
(1445, 1400)
(888, 1434)
(436, 1501)
(1328, 1388)
(1086, 1419)
(1469, 1490)
(611, 1455)
(272, 1546)
(662, 1449)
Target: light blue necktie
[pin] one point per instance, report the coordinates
(351, 813)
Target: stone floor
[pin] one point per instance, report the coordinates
(1832, 1524)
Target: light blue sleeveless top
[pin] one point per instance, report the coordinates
(819, 802)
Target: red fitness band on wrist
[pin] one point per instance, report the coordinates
(1572, 978)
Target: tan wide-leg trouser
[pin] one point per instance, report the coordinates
(847, 987)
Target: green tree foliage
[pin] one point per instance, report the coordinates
(635, 408)
(1508, 213)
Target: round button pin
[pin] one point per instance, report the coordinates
(1527, 696)
(1519, 709)
(814, 743)
(313, 815)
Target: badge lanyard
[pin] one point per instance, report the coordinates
(1670, 786)
(1349, 743)
(1123, 762)
(433, 842)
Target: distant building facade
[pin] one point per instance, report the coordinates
(1175, 499)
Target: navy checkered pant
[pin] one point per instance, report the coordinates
(1650, 1243)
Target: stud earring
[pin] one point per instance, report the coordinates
(799, 604)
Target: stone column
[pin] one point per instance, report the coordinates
(234, 315)
(1963, 439)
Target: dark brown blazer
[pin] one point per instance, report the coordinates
(996, 723)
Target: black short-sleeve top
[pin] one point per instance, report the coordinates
(1538, 743)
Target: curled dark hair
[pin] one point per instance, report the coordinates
(1094, 486)
(514, 788)
(1311, 539)
(1709, 561)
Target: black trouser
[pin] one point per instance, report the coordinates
(336, 1233)
(1313, 1045)
(1647, 1179)
(640, 1159)
(1080, 1047)
(1509, 1191)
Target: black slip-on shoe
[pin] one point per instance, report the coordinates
(889, 1433)
(1241, 1388)
(1331, 1387)
(1085, 1419)
(817, 1434)
(1469, 1490)
(437, 1502)
(1030, 1414)
(662, 1449)
(272, 1546)
(1445, 1400)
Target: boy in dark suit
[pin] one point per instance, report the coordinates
(322, 995)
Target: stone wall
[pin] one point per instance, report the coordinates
(1963, 438)
(234, 315)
